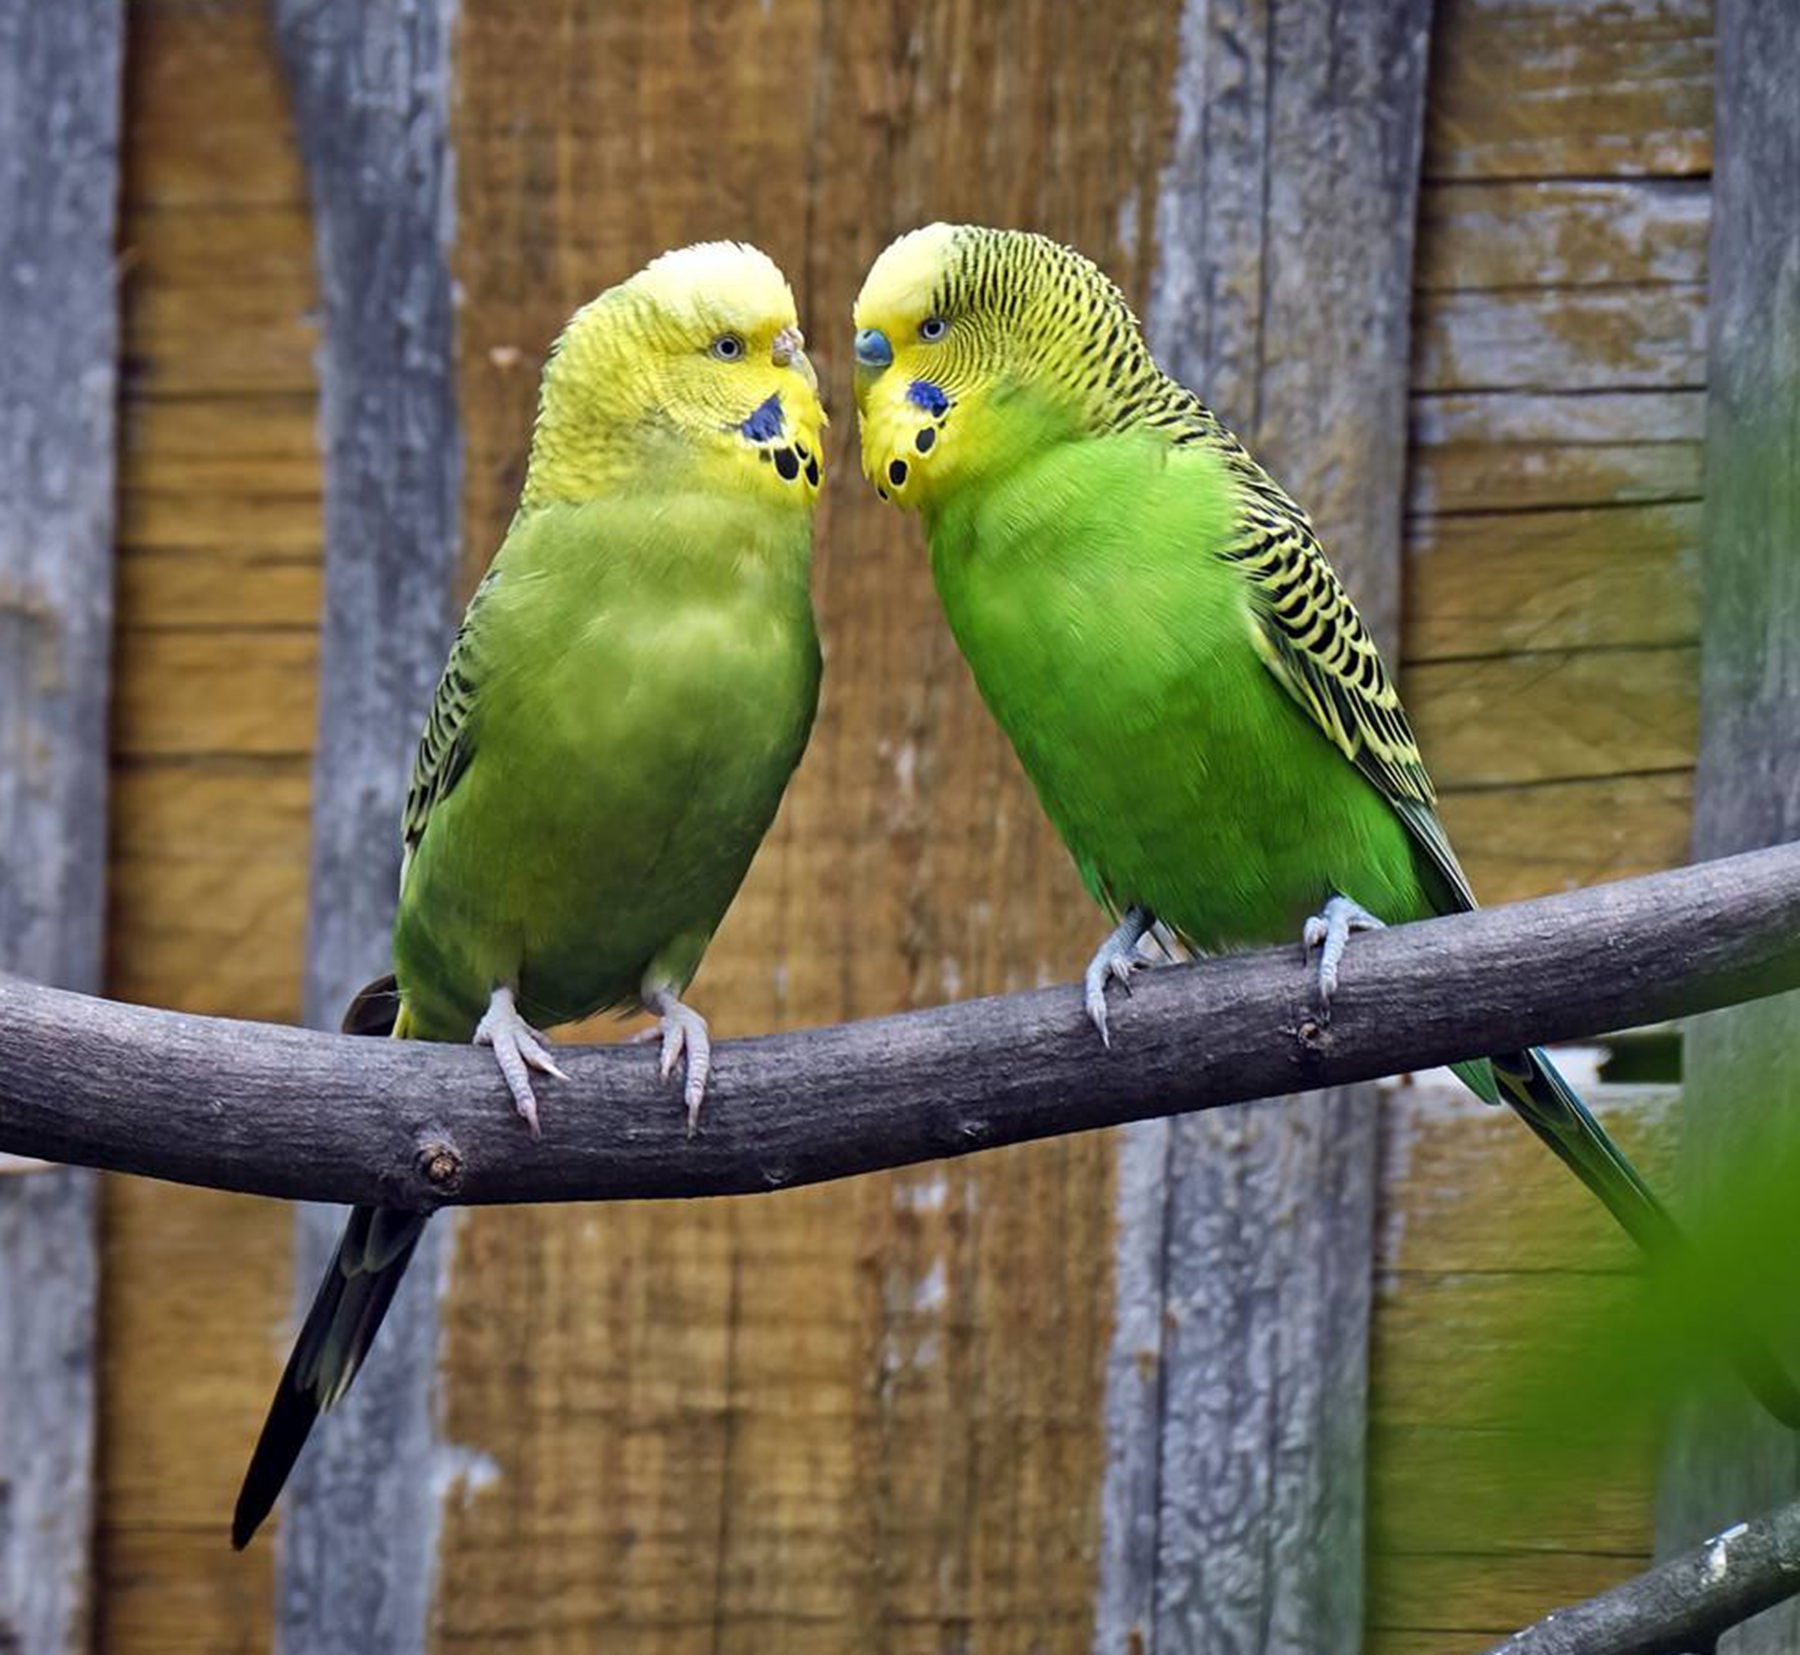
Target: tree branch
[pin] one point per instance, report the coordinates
(285, 1112)
(1679, 1607)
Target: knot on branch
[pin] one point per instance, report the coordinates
(440, 1164)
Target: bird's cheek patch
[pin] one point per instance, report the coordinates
(766, 422)
(931, 401)
(922, 393)
(792, 462)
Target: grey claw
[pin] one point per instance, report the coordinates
(684, 1032)
(1096, 1010)
(518, 1049)
(1114, 962)
(1330, 932)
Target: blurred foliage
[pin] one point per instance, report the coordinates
(1604, 1358)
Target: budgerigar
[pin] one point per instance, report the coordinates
(1151, 619)
(628, 694)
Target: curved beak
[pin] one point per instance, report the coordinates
(874, 349)
(788, 350)
(787, 344)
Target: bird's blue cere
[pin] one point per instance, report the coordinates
(765, 424)
(873, 348)
(923, 394)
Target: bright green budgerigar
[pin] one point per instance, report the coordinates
(1153, 623)
(629, 692)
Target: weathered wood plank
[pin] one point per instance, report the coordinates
(1471, 1194)
(1506, 719)
(1467, 1610)
(249, 449)
(371, 89)
(60, 71)
(238, 342)
(1570, 88)
(1561, 339)
(1493, 584)
(49, 1269)
(1491, 1259)
(1516, 842)
(176, 517)
(58, 336)
(208, 868)
(1240, 1347)
(1513, 451)
(205, 914)
(1561, 233)
(1723, 1462)
(225, 689)
(239, 589)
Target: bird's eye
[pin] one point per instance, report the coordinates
(727, 347)
(932, 329)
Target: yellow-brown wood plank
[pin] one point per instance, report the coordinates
(1570, 89)
(1556, 715)
(218, 599)
(1496, 1268)
(1517, 842)
(1599, 232)
(1553, 531)
(1550, 617)
(1520, 451)
(861, 1418)
(1622, 577)
(1549, 339)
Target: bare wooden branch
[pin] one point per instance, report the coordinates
(288, 1112)
(1682, 1606)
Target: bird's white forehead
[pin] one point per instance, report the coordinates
(718, 284)
(902, 279)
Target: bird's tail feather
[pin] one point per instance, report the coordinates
(347, 1311)
(1553, 1111)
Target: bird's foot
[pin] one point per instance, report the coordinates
(683, 1029)
(1329, 931)
(518, 1049)
(1114, 962)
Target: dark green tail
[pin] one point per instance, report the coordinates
(1551, 1108)
(372, 1256)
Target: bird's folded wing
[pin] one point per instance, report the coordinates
(1310, 636)
(447, 740)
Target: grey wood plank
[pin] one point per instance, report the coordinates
(1724, 1461)
(371, 90)
(60, 70)
(1233, 1494)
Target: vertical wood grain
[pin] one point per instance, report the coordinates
(864, 1418)
(1282, 292)
(371, 88)
(60, 70)
(213, 653)
(1558, 390)
(1726, 1462)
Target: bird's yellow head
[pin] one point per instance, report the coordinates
(696, 361)
(974, 346)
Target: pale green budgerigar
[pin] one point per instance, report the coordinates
(629, 692)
